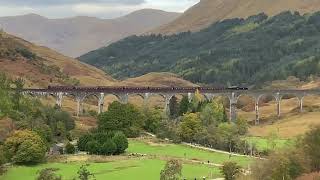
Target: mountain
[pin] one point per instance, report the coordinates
(231, 52)
(40, 66)
(207, 12)
(79, 35)
(158, 80)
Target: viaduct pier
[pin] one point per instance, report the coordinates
(123, 93)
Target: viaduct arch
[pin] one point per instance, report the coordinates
(123, 93)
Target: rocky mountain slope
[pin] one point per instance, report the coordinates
(207, 12)
(79, 35)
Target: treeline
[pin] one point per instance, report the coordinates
(203, 122)
(291, 162)
(230, 52)
(33, 127)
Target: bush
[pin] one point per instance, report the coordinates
(103, 143)
(25, 147)
(171, 171)
(70, 149)
(26, 53)
(83, 140)
(108, 148)
(93, 147)
(230, 170)
(48, 174)
(84, 173)
(121, 142)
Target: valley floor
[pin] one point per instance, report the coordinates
(147, 164)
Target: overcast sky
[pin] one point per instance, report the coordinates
(96, 8)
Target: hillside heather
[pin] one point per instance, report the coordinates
(230, 52)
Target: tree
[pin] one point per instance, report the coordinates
(121, 117)
(272, 140)
(184, 105)
(121, 142)
(48, 174)
(3, 158)
(229, 135)
(25, 147)
(6, 104)
(230, 170)
(153, 119)
(242, 126)
(70, 149)
(280, 165)
(213, 114)
(196, 102)
(84, 173)
(190, 125)
(171, 171)
(174, 107)
(312, 147)
(17, 96)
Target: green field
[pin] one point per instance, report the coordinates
(173, 150)
(144, 168)
(263, 143)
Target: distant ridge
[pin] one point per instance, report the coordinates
(207, 12)
(78, 35)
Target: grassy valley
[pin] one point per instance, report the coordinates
(193, 138)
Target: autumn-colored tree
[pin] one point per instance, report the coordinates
(25, 147)
(190, 125)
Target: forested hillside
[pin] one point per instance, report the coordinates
(235, 51)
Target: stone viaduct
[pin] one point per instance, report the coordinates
(123, 93)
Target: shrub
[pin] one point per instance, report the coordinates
(25, 147)
(84, 173)
(93, 147)
(171, 171)
(108, 148)
(48, 174)
(230, 170)
(70, 149)
(26, 53)
(83, 140)
(121, 142)
(103, 143)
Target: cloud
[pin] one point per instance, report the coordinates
(67, 2)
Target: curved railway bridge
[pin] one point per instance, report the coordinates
(123, 93)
